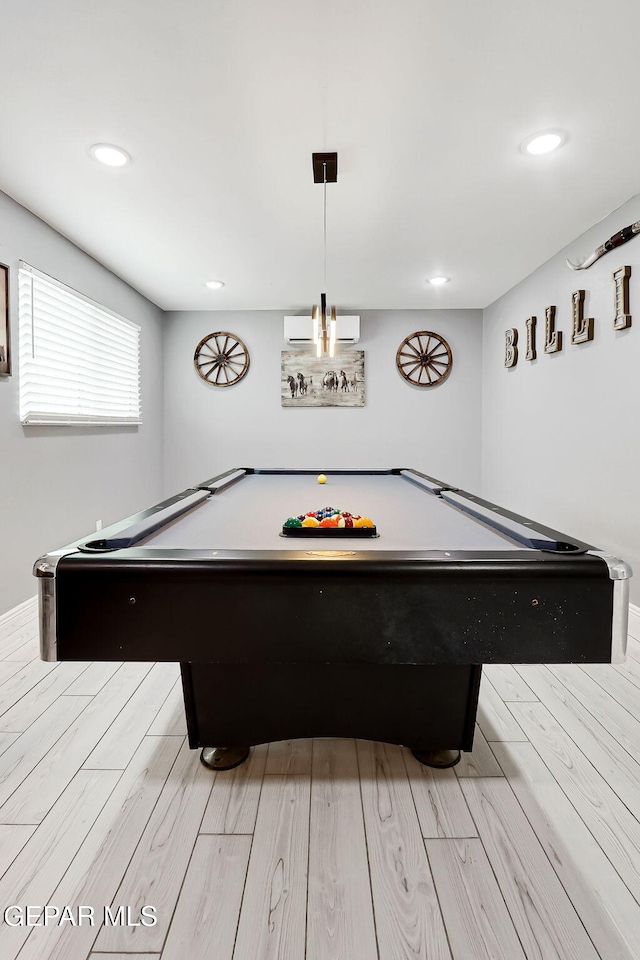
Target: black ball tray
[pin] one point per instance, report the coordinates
(337, 533)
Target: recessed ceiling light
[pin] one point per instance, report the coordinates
(109, 154)
(438, 281)
(543, 142)
(214, 284)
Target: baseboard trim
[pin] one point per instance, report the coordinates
(24, 607)
(634, 621)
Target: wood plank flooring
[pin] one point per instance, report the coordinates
(317, 849)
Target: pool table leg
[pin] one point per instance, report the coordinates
(224, 758)
(437, 758)
(448, 758)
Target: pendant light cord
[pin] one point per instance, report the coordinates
(324, 170)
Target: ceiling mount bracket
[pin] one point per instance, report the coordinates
(319, 161)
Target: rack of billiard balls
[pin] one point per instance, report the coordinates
(329, 522)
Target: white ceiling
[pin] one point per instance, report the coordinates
(222, 102)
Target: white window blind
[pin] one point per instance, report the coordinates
(78, 363)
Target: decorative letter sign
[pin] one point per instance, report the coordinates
(552, 337)
(511, 349)
(622, 318)
(530, 324)
(581, 326)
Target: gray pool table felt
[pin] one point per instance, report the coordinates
(249, 515)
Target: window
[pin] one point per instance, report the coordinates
(79, 363)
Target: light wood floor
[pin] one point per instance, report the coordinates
(324, 849)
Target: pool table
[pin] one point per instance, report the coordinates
(381, 638)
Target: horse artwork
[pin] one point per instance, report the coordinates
(309, 381)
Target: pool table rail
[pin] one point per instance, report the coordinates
(307, 605)
(107, 597)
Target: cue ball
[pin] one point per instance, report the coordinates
(322, 478)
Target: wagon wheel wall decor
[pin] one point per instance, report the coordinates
(221, 359)
(424, 359)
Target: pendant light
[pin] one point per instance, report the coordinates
(325, 170)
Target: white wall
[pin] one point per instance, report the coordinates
(55, 482)
(560, 434)
(211, 429)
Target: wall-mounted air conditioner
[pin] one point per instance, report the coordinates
(300, 329)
